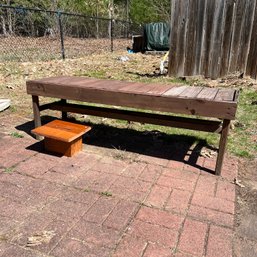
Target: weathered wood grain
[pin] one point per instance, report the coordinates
(167, 102)
(213, 38)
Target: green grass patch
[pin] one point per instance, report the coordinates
(9, 170)
(16, 135)
(93, 74)
(106, 193)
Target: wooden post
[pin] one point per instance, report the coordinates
(222, 146)
(64, 114)
(36, 112)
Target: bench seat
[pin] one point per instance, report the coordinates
(168, 99)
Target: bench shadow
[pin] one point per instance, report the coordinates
(150, 143)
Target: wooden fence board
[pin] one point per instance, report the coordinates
(213, 38)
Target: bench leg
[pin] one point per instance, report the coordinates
(222, 146)
(64, 114)
(36, 112)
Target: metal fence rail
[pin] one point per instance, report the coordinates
(28, 34)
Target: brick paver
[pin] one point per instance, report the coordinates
(94, 204)
(193, 237)
(219, 242)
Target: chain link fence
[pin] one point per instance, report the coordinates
(28, 34)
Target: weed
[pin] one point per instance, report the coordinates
(9, 170)
(106, 193)
(16, 135)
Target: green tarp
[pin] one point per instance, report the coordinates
(156, 36)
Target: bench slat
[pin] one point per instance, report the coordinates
(225, 95)
(142, 96)
(208, 93)
(191, 92)
(175, 91)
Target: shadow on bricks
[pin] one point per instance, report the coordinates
(180, 148)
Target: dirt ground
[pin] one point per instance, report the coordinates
(143, 68)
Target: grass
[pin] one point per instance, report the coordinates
(141, 68)
(16, 135)
(106, 193)
(9, 170)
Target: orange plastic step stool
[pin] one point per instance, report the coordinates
(62, 137)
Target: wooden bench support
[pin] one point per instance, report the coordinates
(143, 117)
(222, 146)
(36, 113)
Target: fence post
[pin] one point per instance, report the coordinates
(61, 35)
(111, 35)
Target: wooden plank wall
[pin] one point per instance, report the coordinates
(213, 38)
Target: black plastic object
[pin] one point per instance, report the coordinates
(157, 36)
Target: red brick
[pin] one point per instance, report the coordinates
(95, 234)
(153, 233)
(193, 237)
(130, 247)
(101, 210)
(178, 201)
(121, 215)
(230, 175)
(155, 250)
(130, 194)
(213, 203)
(226, 190)
(78, 196)
(158, 196)
(111, 166)
(134, 184)
(231, 165)
(14, 209)
(16, 251)
(95, 180)
(72, 248)
(70, 209)
(175, 165)
(84, 160)
(35, 166)
(200, 161)
(180, 254)
(160, 218)
(219, 242)
(133, 170)
(176, 183)
(31, 225)
(191, 168)
(150, 173)
(210, 163)
(181, 174)
(58, 228)
(206, 184)
(217, 217)
(154, 160)
(60, 178)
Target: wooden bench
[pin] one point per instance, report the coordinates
(196, 101)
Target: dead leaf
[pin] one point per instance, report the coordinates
(40, 238)
(238, 183)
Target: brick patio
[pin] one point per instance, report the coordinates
(97, 205)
